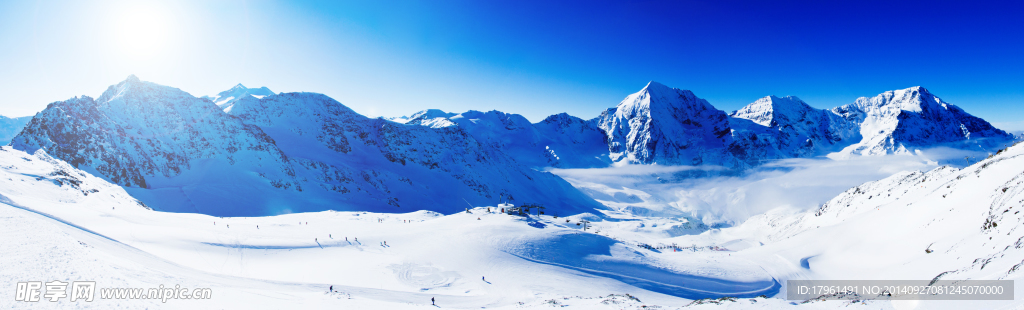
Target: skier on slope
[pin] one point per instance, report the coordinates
(432, 301)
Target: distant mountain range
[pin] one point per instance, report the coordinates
(226, 99)
(248, 152)
(10, 127)
(669, 126)
(291, 152)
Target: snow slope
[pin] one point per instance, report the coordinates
(946, 223)
(62, 223)
(10, 127)
(284, 153)
(226, 99)
(84, 228)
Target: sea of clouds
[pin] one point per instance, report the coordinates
(720, 197)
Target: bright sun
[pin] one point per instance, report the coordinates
(142, 32)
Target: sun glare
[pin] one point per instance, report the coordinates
(142, 32)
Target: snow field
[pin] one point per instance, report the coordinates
(60, 223)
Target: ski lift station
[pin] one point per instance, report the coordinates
(522, 210)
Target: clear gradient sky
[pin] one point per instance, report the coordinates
(535, 58)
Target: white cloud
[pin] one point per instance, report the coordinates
(800, 184)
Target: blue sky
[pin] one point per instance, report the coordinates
(538, 58)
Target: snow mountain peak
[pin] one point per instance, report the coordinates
(227, 99)
(655, 93)
(130, 94)
(665, 125)
(282, 153)
(433, 118)
(430, 114)
(899, 121)
(655, 86)
(764, 111)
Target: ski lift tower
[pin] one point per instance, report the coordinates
(526, 207)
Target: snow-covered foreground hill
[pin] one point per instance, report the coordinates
(946, 223)
(63, 224)
(60, 223)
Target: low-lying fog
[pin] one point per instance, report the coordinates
(722, 198)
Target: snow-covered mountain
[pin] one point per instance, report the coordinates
(669, 126)
(10, 127)
(787, 127)
(560, 140)
(227, 98)
(655, 125)
(665, 125)
(421, 165)
(431, 118)
(39, 177)
(181, 153)
(283, 153)
(573, 142)
(900, 121)
(942, 224)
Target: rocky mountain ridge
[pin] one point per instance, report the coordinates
(282, 153)
(669, 126)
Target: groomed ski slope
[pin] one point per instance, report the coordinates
(53, 230)
(63, 224)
